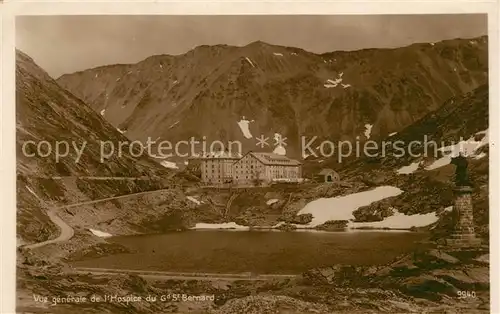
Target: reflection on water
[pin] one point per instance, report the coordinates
(259, 251)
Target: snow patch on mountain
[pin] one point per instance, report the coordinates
(100, 234)
(368, 130)
(484, 132)
(33, 192)
(226, 225)
(194, 200)
(244, 125)
(342, 207)
(169, 164)
(280, 144)
(250, 61)
(331, 83)
(272, 201)
(398, 221)
(409, 169)
(467, 148)
(481, 155)
(280, 150)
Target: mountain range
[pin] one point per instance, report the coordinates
(232, 93)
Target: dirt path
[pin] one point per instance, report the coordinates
(164, 275)
(229, 202)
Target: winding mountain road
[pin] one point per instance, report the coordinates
(67, 231)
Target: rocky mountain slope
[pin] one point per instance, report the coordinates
(462, 119)
(273, 89)
(47, 113)
(461, 124)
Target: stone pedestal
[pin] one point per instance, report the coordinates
(463, 235)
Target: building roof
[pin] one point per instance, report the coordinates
(275, 159)
(220, 155)
(326, 171)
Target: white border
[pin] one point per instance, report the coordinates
(7, 169)
(9, 9)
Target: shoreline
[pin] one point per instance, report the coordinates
(302, 229)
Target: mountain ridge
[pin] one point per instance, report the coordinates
(265, 43)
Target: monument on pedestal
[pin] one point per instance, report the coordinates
(463, 235)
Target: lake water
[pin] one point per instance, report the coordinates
(262, 252)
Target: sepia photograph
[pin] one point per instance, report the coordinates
(252, 163)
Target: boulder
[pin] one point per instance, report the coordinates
(302, 219)
(427, 287)
(333, 225)
(287, 227)
(472, 279)
(431, 259)
(338, 275)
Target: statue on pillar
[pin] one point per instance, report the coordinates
(461, 176)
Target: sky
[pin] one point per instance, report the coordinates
(66, 44)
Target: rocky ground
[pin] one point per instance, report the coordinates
(429, 281)
(265, 206)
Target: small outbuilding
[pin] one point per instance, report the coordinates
(328, 176)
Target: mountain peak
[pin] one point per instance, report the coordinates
(259, 43)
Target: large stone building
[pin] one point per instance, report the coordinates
(265, 168)
(253, 168)
(216, 168)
